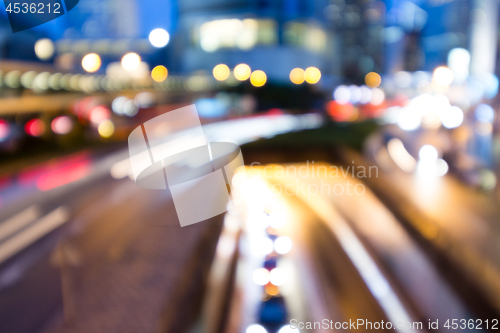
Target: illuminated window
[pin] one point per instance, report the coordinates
(235, 34)
(307, 36)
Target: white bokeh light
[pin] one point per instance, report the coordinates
(366, 94)
(342, 94)
(255, 328)
(278, 277)
(409, 119)
(355, 94)
(277, 219)
(428, 154)
(283, 245)
(458, 63)
(378, 96)
(484, 113)
(288, 329)
(441, 167)
(452, 117)
(44, 49)
(159, 37)
(131, 61)
(262, 245)
(443, 76)
(261, 276)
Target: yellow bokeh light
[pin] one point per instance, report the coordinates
(221, 72)
(131, 61)
(91, 62)
(312, 75)
(242, 72)
(373, 80)
(159, 73)
(443, 76)
(258, 78)
(271, 290)
(106, 128)
(297, 75)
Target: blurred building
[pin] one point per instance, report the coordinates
(270, 35)
(360, 25)
(110, 28)
(419, 35)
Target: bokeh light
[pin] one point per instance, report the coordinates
(355, 94)
(490, 83)
(409, 120)
(341, 111)
(283, 245)
(13, 79)
(488, 179)
(312, 75)
(221, 72)
(99, 114)
(159, 37)
(130, 108)
(91, 62)
(342, 94)
(272, 290)
(106, 128)
(258, 78)
(27, 79)
(484, 113)
(288, 329)
(277, 219)
(255, 328)
(278, 276)
(443, 76)
(144, 99)
(452, 117)
(159, 73)
(242, 72)
(118, 104)
(373, 80)
(4, 130)
(441, 167)
(131, 61)
(261, 276)
(459, 63)
(61, 125)
(297, 75)
(35, 127)
(262, 245)
(378, 96)
(428, 153)
(44, 49)
(366, 94)
(402, 79)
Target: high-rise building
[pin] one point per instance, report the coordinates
(270, 35)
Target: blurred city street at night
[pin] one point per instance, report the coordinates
(249, 166)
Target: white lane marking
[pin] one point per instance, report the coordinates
(18, 221)
(39, 229)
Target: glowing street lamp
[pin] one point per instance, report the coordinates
(131, 61)
(159, 38)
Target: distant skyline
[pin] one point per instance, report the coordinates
(98, 19)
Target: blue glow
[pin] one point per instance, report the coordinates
(210, 108)
(484, 113)
(490, 86)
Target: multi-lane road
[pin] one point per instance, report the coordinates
(83, 248)
(81, 221)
